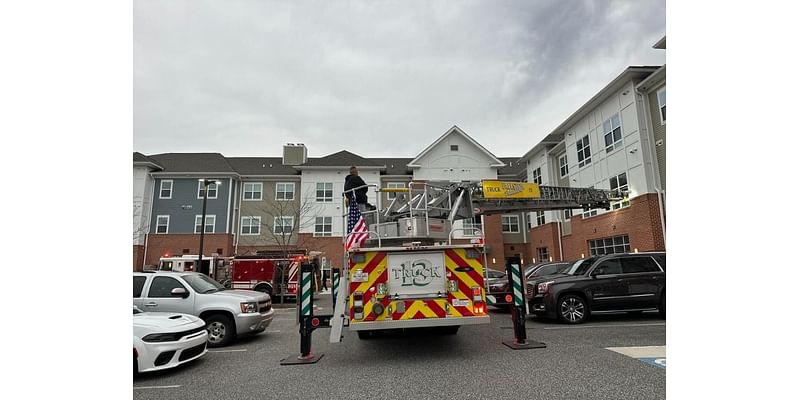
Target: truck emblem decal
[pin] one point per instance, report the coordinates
(417, 272)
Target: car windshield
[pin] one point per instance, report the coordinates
(202, 283)
(580, 267)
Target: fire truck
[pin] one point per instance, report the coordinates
(274, 275)
(412, 273)
(216, 267)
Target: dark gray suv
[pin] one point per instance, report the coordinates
(630, 282)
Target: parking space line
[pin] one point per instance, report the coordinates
(272, 331)
(604, 326)
(226, 351)
(156, 387)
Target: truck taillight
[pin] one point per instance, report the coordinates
(479, 307)
(476, 293)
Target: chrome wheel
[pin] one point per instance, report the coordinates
(216, 332)
(221, 330)
(572, 309)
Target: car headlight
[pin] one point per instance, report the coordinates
(250, 307)
(544, 287)
(161, 337)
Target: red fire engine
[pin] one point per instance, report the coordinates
(277, 277)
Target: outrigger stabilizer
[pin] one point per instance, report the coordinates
(306, 318)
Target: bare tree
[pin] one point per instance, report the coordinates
(280, 232)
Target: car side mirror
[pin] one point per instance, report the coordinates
(179, 292)
(595, 273)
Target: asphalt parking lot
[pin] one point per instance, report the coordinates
(616, 356)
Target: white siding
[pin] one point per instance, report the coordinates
(627, 158)
(335, 209)
(142, 195)
(468, 163)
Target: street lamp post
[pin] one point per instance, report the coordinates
(206, 183)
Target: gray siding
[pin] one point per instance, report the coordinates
(184, 205)
(268, 208)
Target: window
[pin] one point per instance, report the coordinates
(567, 215)
(283, 225)
(616, 244)
(536, 176)
(252, 191)
(634, 265)
(138, 285)
(323, 226)
(325, 191)
(662, 104)
(210, 222)
(212, 190)
(510, 223)
(612, 133)
(540, 218)
(395, 185)
(162, 224)
(251, 225)
(608, 267)
(542, 254)
(584, 152)
(166, 190)
(162, 286)
(284, 191)
(563, 168)
(619, 183)
(453, 147)
(471, 226)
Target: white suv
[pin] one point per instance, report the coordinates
(227, 313)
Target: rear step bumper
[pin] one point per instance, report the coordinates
(417, 323)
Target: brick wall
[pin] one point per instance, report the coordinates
(138, 257)
(544, 236)
(493, 233)
(174, 244)
(640, 221)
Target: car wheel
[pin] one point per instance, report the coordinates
(572, 309)
(221, 330)
(364, 335)
(662, 310)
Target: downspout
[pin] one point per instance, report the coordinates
(560, 242)
(650, 152)
(150, 216)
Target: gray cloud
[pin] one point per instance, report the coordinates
(376, 78)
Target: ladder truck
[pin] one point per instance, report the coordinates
(409, 273)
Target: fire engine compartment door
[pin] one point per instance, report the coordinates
(416, 274)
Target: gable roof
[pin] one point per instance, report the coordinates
(261, 166)
(456, 130)
(193, 163)
(343, 158)
(394, 166)
(144, 161)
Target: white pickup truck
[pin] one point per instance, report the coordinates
(227, 313)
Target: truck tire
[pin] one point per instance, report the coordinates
(221, 330)
(572, 309)
(364, 335)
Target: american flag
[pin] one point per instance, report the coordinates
(355, 225)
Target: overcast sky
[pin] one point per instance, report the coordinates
(377, 78)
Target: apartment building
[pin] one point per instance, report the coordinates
(616, 140)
